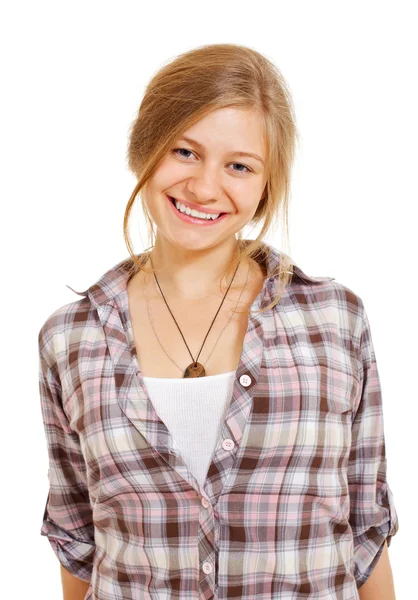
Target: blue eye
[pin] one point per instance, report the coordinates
(241, 165)
(182, 149)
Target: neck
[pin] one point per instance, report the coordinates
(191, 274)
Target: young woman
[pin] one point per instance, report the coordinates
(213, 413)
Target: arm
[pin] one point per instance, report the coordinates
(73, 588)
(67, 520)
(379, 586)
(373, 516)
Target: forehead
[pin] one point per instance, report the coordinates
(230, 128)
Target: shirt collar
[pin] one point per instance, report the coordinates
(114, 280)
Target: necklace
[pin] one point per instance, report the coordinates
(227, 323)
(194, 369)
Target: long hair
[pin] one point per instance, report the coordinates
(188, 88)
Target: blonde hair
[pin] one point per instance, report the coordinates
(188, 88)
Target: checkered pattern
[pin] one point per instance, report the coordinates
(296, 502)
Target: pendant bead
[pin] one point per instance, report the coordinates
(195, 369)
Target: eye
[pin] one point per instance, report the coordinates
(176, 150)
(179, 150)
(245, 167)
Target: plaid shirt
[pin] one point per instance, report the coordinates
(296, 502)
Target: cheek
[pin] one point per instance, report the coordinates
(248, 203)
(169, 173)
(248, 193)
(161, 179)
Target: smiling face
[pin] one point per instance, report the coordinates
(206, 170)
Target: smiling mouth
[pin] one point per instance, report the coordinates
(174, 200)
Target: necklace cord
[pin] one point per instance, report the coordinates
(195, 361)
(195, 369)
(221, 332)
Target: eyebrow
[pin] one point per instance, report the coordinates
(237, 153)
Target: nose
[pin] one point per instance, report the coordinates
(205, 185)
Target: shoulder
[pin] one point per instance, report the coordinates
(330, 286)
(64, 326)
(328, 301)
(315, 291)
(77, 323)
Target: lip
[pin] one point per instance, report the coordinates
(194, 206)
(195, 220)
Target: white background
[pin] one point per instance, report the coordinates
(73, 74)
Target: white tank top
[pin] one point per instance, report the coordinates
(194, 410)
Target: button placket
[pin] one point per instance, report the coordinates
(229, 445)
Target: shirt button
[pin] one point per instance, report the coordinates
(245, 380)
(227, 444)
(205, 503)
(207, 567)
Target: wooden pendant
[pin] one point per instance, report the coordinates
(195, 369)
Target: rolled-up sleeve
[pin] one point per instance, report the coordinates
(373, 516)
(67, 519)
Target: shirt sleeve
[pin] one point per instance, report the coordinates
(67, 520)
(373, 516)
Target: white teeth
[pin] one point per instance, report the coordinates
(194, 213)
